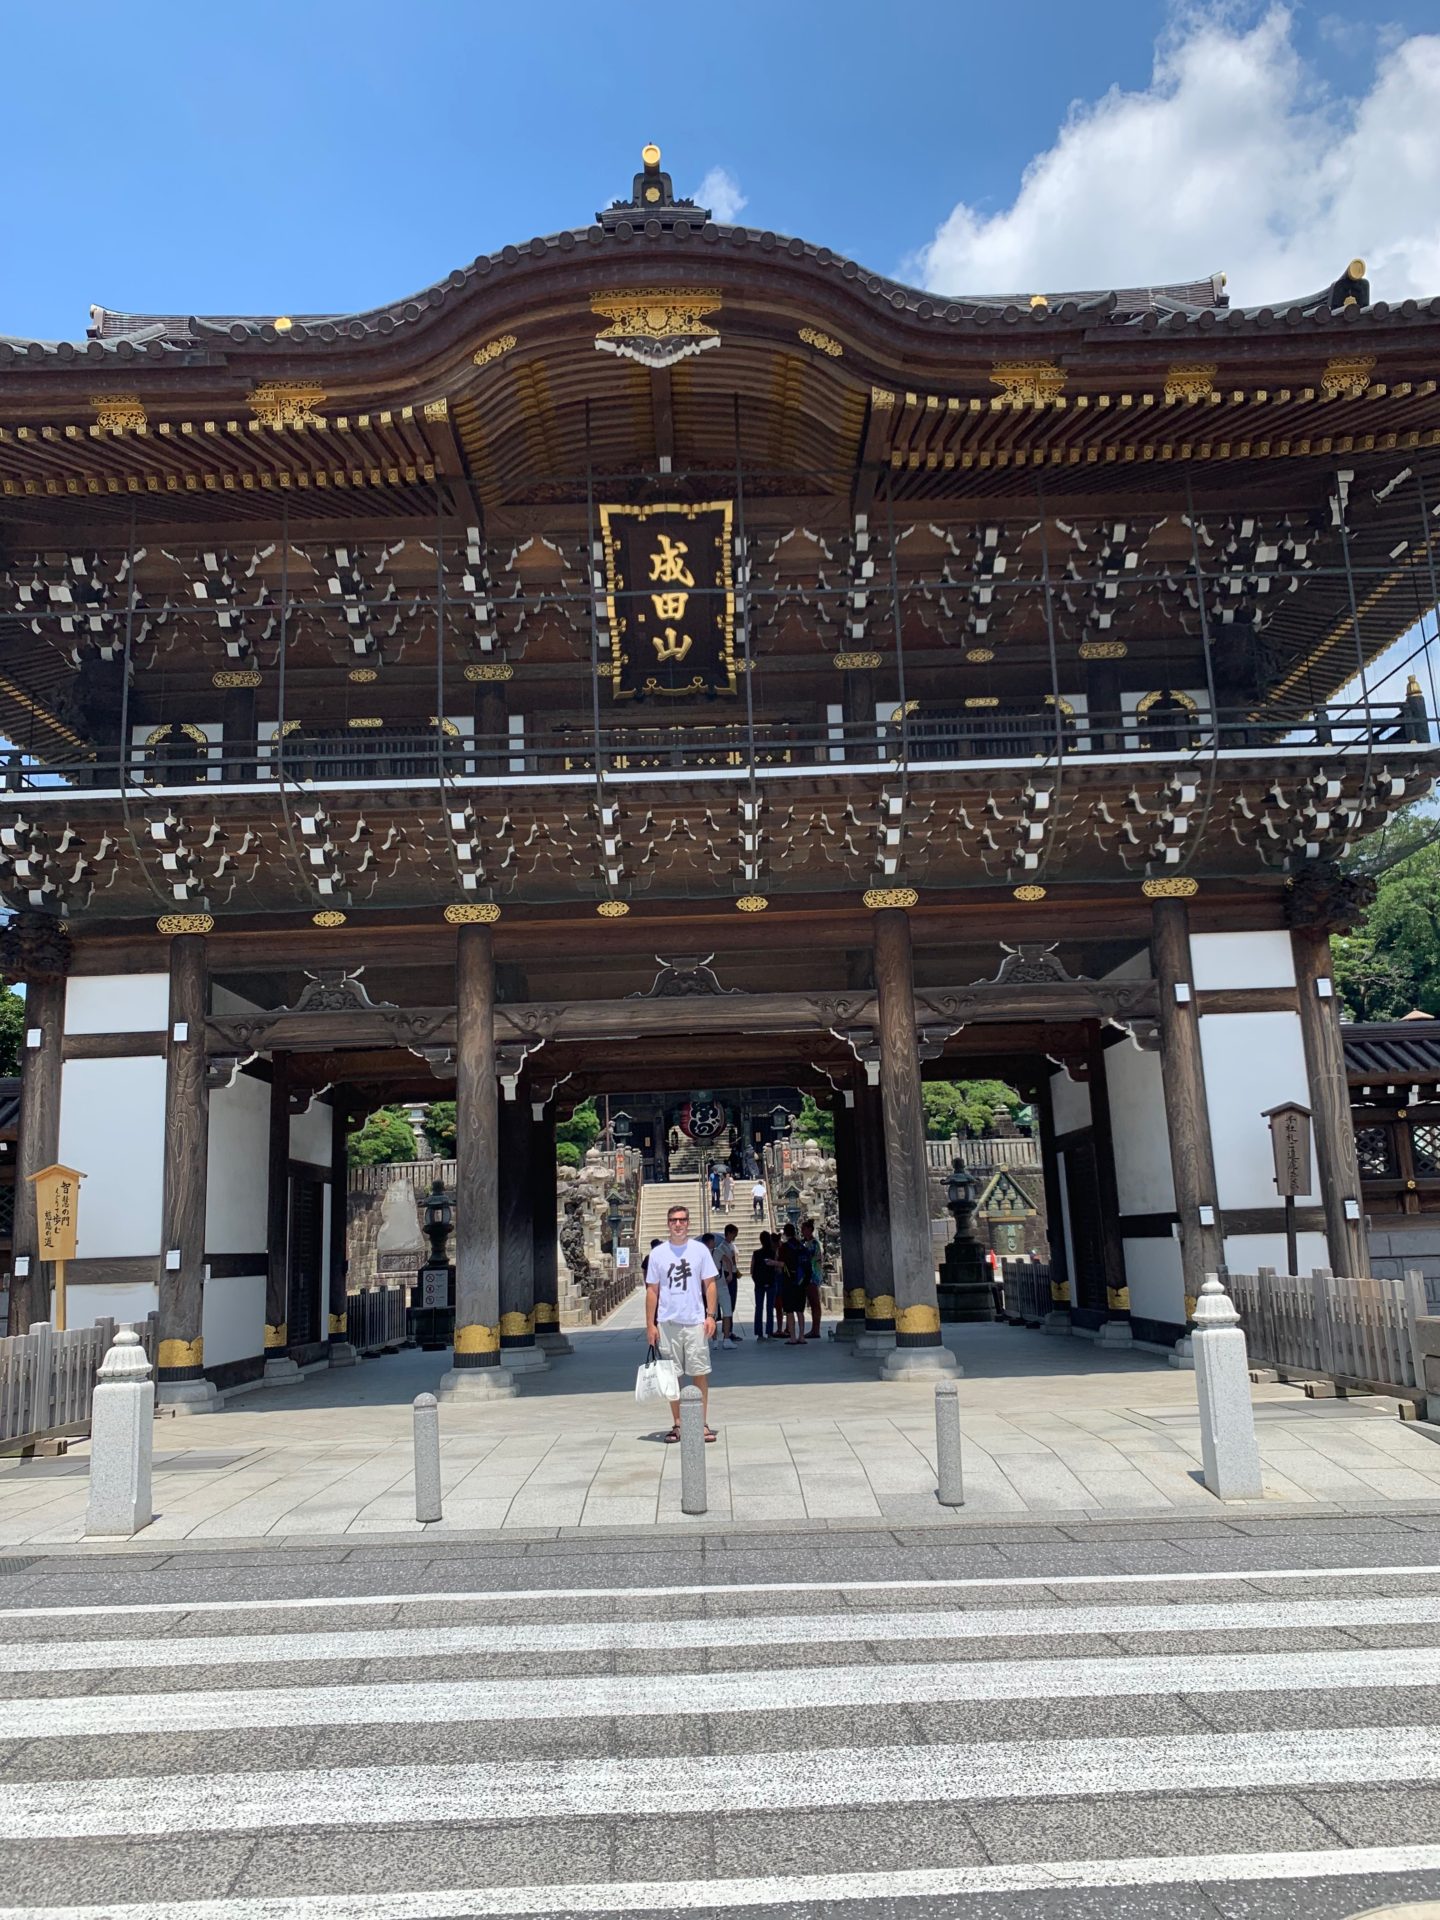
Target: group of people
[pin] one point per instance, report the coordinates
(692, 1290)
(722, 1191)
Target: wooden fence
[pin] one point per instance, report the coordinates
(1358, 1332)
(47, 1379)
(375, 1319)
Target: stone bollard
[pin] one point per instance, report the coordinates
(692, 1452)
(122, 1441)
(427, 1457)
(1222, 1385)
(951, 1481)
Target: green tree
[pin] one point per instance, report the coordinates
(1390, 965)
(440, 1128)
(581, 1130)
(965, 1106)
(1373, 986)
(815, 1123)
(386, 1136)
(12, 1028)
(567, 1154)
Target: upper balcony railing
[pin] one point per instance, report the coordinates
(924, 741)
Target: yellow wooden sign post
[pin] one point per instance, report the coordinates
(57, 1210)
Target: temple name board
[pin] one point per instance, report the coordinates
(670, 601)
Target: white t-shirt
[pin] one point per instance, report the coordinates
(680, 1274)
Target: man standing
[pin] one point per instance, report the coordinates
(728, 1261)
(680, 1305)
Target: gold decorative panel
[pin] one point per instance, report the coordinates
(331, 917)
(752, 903)
(1028, 383)
(856, 662)
(362, 676)
(288, 403)
(1029, 893)
(613, 909)
(1103, 649)
(493, 350)
(236, 677)
(1189, 383)
(185, 923)
(1347, 373)
(471, 913)
(118, 412)
(822, 342)
(1174, 886)
(654, 313)
(891, 897)
(490, 670)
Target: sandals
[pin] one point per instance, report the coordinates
(672, 1438)
(710, 1435)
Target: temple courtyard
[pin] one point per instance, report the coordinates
(1053, 1427)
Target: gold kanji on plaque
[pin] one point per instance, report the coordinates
(669, 599)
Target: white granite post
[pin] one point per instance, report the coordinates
(122, 1438)
(1222, 1385)
(949, 1475)
(427, 1457)
(692, 1452)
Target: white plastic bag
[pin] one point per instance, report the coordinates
(657, 1379)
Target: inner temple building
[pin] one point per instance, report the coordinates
(668, 655)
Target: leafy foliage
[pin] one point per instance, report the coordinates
(440, 1128)
(1390, 965)
(385, 1136)
(814, 1123)
(965, 1106)
(567, 1154)
(12, 1029)
(581, 1130)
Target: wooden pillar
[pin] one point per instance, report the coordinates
(518, 1350)
(1334, 1129)
(1117, 1293)
(181, 1355)
(544, 1230)
(277, 1216)
(239, 734)
(848, 1194)
(857, 710)
(477, 1245)
(1187, 1111)
(912, 1251)
(492, 727)
(342, 1353)
(1061, 1299)
(875, 1263)
(38, 1144)
(1102, 695)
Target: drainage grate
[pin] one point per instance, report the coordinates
(17, 1566)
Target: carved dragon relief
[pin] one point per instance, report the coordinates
(684, 977)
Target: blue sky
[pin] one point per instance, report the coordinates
(315, 156)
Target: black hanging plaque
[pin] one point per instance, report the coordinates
(670, 599)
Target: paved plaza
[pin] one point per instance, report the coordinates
(1052, 1426)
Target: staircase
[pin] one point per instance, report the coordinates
(657, 1197)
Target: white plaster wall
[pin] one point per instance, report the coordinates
(1071, 1100)
(238, 1171)
(1252, 1061)
(127, 1305)
(118, 1003)
(1245, 1252)
(1137, 1120)
(310, 1134)
(232, 1321)
(1242, 960)
(225, 1004)
(112, 1128)
(1154, 1276)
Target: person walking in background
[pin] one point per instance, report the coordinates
(728, 1261)
(811, 1269)
(707, 1240)
(727, 1190)
(764, 1271)
(757, 1196)
(714, 1185)
(792, 1287)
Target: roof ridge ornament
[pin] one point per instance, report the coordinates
(652, 199)
(656, 326)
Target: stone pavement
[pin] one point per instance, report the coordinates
(807, 1437)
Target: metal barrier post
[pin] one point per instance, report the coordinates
(427, 1457)
(951, 1482)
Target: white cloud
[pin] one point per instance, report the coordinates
(720, 191)
(1235, 157)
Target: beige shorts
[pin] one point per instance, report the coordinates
(686, 1346)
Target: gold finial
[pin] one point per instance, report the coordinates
(1355, 270)
(1412, 687)
(650, 157)
(1039, 300)
(284, 323)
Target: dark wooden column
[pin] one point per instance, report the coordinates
(187, 1128)
(544, 1228)
(875, 1259)
(277, 1211)
(492, 724)
(1187, 1111)
(239, 731)
(1061, 1299)
(477, 1248)
(1117, 1294)
(1102, 695)
(912, 1255)
(339, 1222)
(1334, 1129)
(857, 710)
(38, 1144)
(518, 1350)
(847, 1186)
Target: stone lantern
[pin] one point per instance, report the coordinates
(965, 1289)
